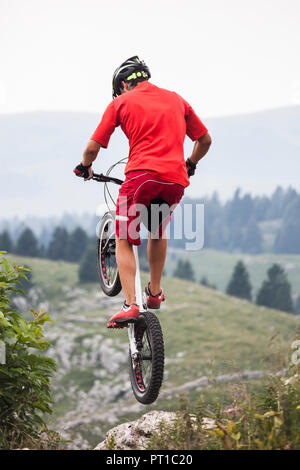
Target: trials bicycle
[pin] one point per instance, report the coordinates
(146, 344)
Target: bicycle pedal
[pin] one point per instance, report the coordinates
(115, 325)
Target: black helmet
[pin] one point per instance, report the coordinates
(131, 69)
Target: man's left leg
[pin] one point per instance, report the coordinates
(127, 269)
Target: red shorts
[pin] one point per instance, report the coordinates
(147, 198)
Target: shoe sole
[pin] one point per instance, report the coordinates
(117, 324)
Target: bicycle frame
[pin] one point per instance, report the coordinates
(138, 287)
(146, 341)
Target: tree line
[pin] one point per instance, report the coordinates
(275, 291)
(239, 224)
(64, 245)
(244, 223)
(76, 246)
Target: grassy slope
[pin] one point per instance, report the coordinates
(217, 266)
(206, 333)
(206, 324)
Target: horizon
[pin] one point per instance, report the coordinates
(221, 116)
(83, 213)
(247, 153)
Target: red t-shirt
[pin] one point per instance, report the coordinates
(155, 122)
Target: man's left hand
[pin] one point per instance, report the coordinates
(190, 167)
(85, 172)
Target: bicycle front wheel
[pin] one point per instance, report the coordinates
(106, 252)
(147, 369)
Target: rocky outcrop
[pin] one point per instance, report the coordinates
(135, 434)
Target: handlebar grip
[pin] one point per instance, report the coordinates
(106, 179)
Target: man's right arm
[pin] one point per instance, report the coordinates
(99, 139)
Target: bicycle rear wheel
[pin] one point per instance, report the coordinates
(147, 368)
(106, 253)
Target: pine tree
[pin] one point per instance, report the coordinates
(235, 238)
(58, 246)
(6, 243)
(275, 209)
(184, 270)
(77, 244)
(275, 292)
(252, 239)
(288, 239)
(27, 244)
(88, 271)
(239, 284)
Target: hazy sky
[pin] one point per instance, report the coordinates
(224, 56)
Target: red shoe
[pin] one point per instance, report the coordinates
(154, 301)
(127, 314)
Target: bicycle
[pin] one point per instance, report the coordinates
(146, 344)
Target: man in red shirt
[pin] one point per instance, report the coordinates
(155, 122)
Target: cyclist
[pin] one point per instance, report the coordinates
(155, 122)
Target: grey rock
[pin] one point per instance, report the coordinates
(136, 434)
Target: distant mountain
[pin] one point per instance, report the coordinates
(38, 152)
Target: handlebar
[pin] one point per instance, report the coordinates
(106, 179)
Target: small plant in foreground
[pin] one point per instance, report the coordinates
(269, 420)
(24, 372)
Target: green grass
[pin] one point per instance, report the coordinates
(209, 327)
(217, 266)
(206, 332)
(51, 276)
(213, 328)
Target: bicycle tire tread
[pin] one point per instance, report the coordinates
(157, 345)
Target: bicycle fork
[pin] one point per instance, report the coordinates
(139, 300)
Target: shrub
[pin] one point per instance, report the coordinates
(204, 282)
(269, 420)
(24, 373)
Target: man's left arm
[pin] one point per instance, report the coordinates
(197, 131)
